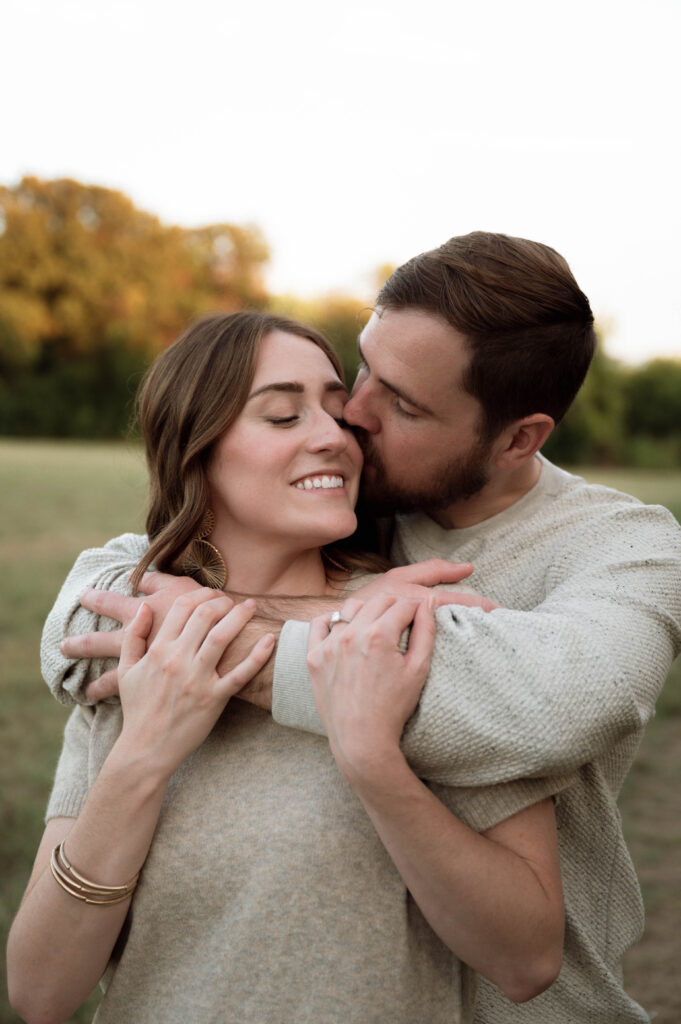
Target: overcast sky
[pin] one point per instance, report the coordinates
(363, 132)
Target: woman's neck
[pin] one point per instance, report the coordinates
(266, 568)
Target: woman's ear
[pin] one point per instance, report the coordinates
(522, 439)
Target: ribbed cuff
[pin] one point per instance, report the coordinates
(292, 701)
(66, 805)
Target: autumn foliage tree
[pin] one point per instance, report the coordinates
(91, 288)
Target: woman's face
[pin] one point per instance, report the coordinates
(288, 468)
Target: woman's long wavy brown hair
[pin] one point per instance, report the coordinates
(189, 397)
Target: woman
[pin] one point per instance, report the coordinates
(239, 878)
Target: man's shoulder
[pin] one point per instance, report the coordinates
(566, 494)
(562, 511)
(122, 548)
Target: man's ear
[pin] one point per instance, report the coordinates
(522, 439)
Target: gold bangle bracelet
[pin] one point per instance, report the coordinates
(93, 885)
(88, 892)
(75, 887)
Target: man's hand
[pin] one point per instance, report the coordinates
(414, 582)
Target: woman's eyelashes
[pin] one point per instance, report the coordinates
(288, 421)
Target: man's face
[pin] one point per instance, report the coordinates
(418, 428)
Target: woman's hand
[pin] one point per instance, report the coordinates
(172, 694)
(365, 689)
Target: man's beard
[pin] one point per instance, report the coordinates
(457, 480)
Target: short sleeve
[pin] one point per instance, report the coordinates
(71, 785)
(482, 807)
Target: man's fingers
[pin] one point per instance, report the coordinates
(154, 582)
(469, 600)
(105, 686)
(93, 645)
(433, 571)
(114, 606)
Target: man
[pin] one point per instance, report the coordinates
(472, 354)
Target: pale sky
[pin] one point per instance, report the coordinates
(363, 132)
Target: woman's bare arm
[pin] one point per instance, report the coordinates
(495, 899)
(171, 697)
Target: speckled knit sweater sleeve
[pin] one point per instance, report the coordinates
(107, 568)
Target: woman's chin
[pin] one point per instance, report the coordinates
(342, 526)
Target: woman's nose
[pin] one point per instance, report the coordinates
(327, 435)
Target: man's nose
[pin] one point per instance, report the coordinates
(357, 409)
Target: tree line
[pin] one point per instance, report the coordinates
(92, 288)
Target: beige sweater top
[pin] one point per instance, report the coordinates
(517, 700)
(266, 895)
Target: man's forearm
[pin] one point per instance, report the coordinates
(273, 612)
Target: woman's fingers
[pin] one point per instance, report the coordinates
(384, 613)
(105, 685)
(135, 635)
(224, 631)
(392, 619)
(422, 638)
(180, 612)
(234, 680)
(319, 630)
(205, 616)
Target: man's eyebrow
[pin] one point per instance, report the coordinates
(400, 392)
(294, 387)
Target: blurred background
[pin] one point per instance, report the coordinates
(158, 161)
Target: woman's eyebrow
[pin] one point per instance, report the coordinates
(294, 387)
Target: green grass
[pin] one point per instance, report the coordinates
(654, 487)
(58, 498)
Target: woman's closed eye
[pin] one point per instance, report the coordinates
(283, 421)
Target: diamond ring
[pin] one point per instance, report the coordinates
(336, 617)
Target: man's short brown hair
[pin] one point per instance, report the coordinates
(529, 327)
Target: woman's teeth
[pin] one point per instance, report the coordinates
(311, 483)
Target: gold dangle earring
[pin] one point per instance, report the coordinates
(202, 560)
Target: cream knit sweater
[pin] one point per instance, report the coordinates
(562, 682)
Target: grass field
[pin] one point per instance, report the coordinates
(58, 498)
